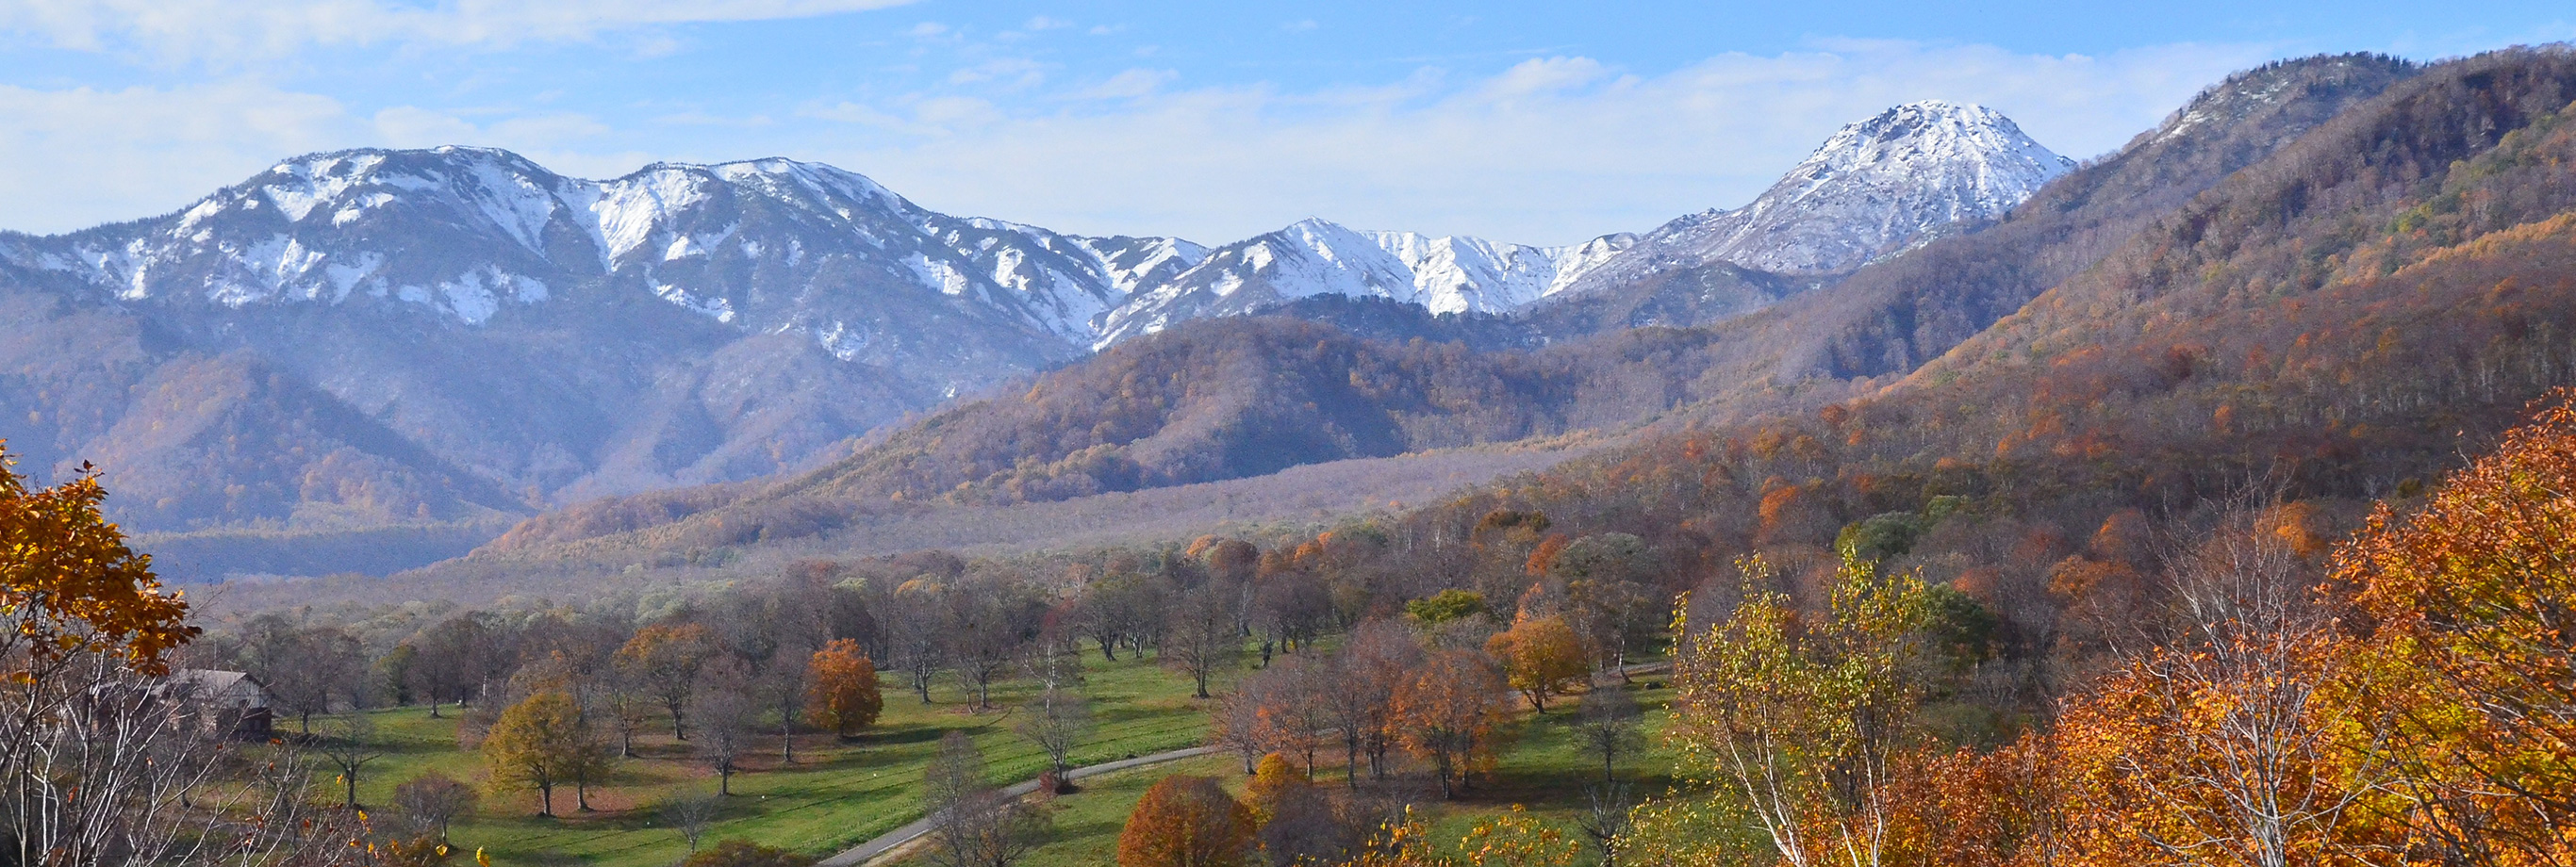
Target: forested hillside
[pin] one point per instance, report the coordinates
(1228, 399)
(2207, 495)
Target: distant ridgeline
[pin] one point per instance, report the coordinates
(457, 338)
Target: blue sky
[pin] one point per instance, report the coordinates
(1526, 122)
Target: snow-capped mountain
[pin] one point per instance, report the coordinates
(1315, 257)
(1874, 188)
(371, 336)
(380, 336)
(768, 246)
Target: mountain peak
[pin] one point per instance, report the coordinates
(1895, 180)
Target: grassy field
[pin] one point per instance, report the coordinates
(835, 795)
(1543, 769)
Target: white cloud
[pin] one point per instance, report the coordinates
(1129, 84)
(232, 30)
(81, 157)
(1553, 150)
(1043, 22)
(1007, 71)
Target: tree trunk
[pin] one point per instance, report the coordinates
(546, 800)
(351, 778)
(1351, 759)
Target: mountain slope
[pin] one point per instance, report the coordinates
(1012, 449)
(1893, 315)
(477, 336)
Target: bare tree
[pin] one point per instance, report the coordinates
(974, 824)
(691, 815)
(1202, 635)
(1607, 820)
(1607, 723)
(1239, 726)
(433, 801)
(1289, 708)
(624, 704)
(1058, 719)
(781, 688)
(727, 714)
(304, 667)
(988, 625)
(349, 743)
(1378, 657)
(457, 657)
(101, 764)
(915, 625)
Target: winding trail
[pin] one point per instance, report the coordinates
(892, 840)
(888, 841)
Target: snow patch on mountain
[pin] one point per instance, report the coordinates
(1317, 257)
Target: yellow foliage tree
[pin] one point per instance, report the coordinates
(1794, 723)
(537, 744)
(1274, 777)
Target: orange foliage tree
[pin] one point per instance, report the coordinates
(1541, 657)
(69, 585)
(1447, 714)
(1187, 821)
(841, 691)
(2471, 599)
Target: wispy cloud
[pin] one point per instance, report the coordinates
(237, 30)
(1129, 84)
(1551, 150)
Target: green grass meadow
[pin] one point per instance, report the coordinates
(835, 795)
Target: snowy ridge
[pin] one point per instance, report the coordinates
(765, 245)
(1315, 257)
(775, 246)
(1873, 189)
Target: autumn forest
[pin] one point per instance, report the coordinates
(2214, 506)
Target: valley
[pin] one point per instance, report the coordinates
(1952, 503)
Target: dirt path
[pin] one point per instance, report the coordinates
(890, 840)
(895, 839)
